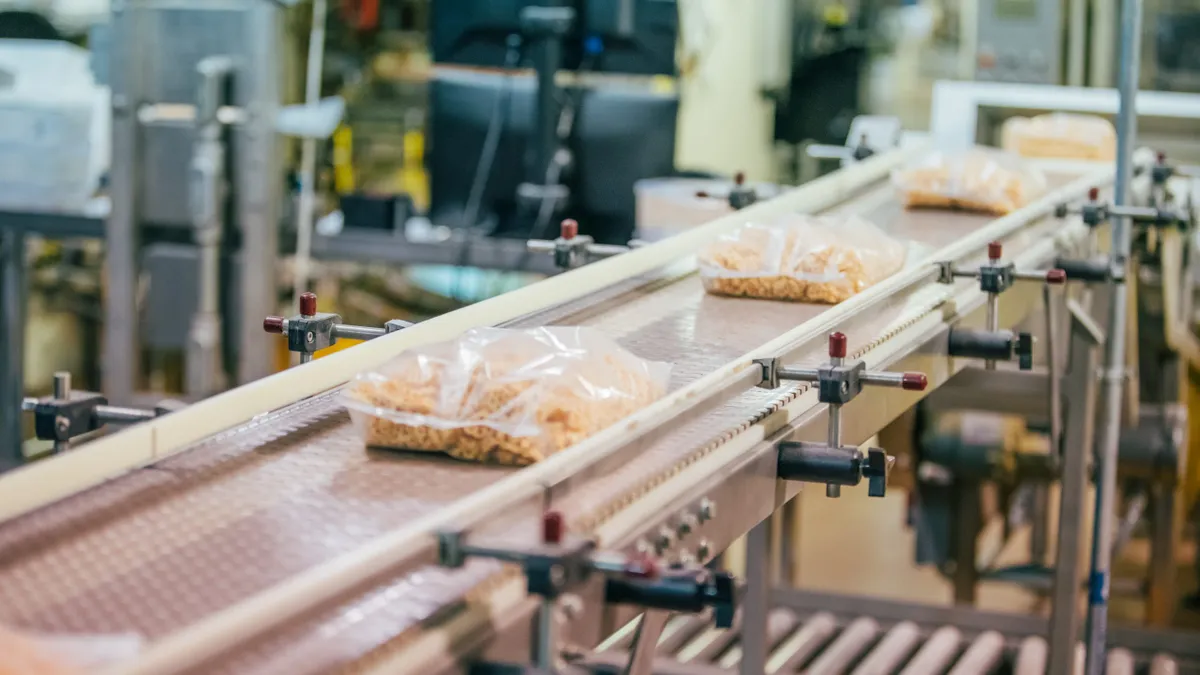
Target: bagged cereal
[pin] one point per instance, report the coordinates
(823, 259)
(1060, 136)
(977, 180)
(502, 395)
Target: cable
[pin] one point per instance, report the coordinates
(487, 158)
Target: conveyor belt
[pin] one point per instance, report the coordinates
(166, 545)
(821, 643)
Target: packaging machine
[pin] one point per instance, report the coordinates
(254, 533)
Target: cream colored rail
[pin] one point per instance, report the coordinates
(50, 480)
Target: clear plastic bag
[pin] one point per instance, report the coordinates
(824, 259)
(42, 654)
(503, 396)
(977, 180)
(1060, 136)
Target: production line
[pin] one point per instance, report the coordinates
(254, 533)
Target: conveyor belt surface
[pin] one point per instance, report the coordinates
(164, 546)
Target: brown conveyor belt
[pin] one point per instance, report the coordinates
(163, 546)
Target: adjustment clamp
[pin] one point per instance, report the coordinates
(69, 414)
(838, 383)
(310, 331)
(1094, 212)
(572, 249)
(740, 194)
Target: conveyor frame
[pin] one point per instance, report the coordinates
(741, 466)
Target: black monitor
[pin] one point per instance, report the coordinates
(615, 36)
(623, 133)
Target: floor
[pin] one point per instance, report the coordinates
(859, 545)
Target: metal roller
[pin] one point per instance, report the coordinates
(1120, 662)
(982, 657)
(679, 631)
(891, 651)
(936, 654)
(1163, 665)
(850, 645)
(1031, 657)
(710, 644)
(780, 622)
(799, 648)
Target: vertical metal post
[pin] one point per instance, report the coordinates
(1165, 523)
(62, 392)
(967, 523)
(645, 643)
(756, 602)
(544, 651)
(259, 192)
(1077, 449)
(1115, 359)
(993, 313)
(121, 362)
(12, 345)
(834, 435)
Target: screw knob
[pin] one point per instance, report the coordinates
(995, 250)
(641, 567)
(876, 468)
(308, 304)
(273, 324)
(914, 381)
(721, 594)
(552, 527)
(569, 229)
(1024, 351)
(739, 178)
(1056, 276)
(1094, 194)
(1162, 157)
(837, 345)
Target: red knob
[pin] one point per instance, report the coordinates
(1162, 157)
(739, 178)
(569, 229)
(837, 345)
(641, 567)
(273, 324)
(1056, 276)
(702, 194)
(914, 382)
(308, 304)
(552, 527)
(995, 250)
(1094, 194)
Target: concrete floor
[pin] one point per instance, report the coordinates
(857, 545)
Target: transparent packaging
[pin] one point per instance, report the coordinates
(1060, 136)
(43, 654)
(825, 259)
(503, 396)
(977, 180)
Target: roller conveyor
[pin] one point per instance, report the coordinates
(198, 536)
(863, 645)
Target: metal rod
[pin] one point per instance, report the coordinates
(993, 323)
(798, 374)
(1114, 366)
(308, 153)
(109, 414)
(856, 639)
(543, 657)
(757, 599)
(1133, 514)
(891, 651)
(12, 345)
(834, 432)
(357, 332)
(62, 392)
(936, 654)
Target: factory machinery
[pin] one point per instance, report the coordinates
(254, 533)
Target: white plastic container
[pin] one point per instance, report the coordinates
(54, 123)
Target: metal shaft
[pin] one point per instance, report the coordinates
(993, 323)
(1114, 372)
(357, 332)
(12, 345)
(62, 392)
(834, 436)
(544, 654)
(110, 414)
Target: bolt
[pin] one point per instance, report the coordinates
(687, 524)
(571, 606)
(310, 337)
(704, 550)
(708, 510)
(569, 229)
(664, 540)
(845, 387)
(557, 575)
(837, 345)
(62, 425)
